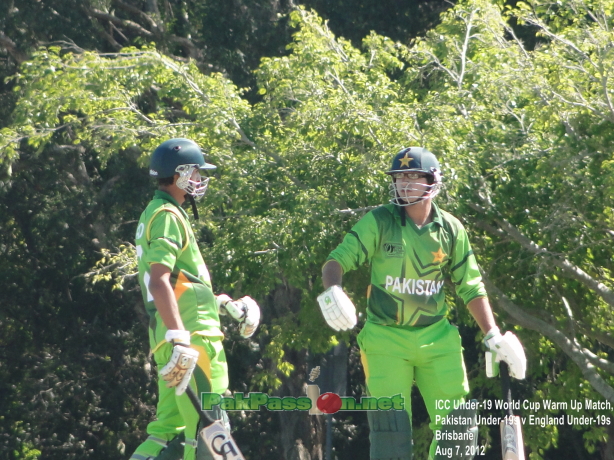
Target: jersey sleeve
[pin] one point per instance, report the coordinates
(464, 271)
(358, 245)
(165, 241)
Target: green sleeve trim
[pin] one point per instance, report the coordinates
(478, 296)
(328, 259)
(162, 262)
(462, 262)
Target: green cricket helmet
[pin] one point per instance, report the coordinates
(183, 157)
(409, 166)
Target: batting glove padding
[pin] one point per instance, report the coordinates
(245, 310)
(252, 316)
(178, 370)
(504, 348)
(337, 308)
(222, 300)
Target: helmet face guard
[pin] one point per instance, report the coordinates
(409, 166)
(195, 189)
(405, 192)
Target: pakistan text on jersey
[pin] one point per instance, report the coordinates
(413, 286)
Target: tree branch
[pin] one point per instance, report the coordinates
(121, 22)
(601, 337)
(565, 265)
(604, 364)
(14, 52)
(192, 50)
(537, 23)
(108, 37)
(357, 210)
(153, 25)
(463, 56)
(569, 347)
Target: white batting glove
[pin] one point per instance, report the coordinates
(504, 348)
(337, 308)
(252, 316)
(245, 310)
(178, 371)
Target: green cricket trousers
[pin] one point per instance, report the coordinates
(176, 414)
(432, 356)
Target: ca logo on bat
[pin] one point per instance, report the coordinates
(220, 443)
(509, 437)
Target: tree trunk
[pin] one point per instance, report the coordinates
(301, 435)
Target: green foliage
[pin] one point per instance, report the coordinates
(115, 267)
(120, 102)
(525, 137)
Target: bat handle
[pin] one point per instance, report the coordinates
(505, 386)
(205, 418)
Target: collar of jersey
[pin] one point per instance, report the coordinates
(161, 195)
(436, 215)
(437, 219)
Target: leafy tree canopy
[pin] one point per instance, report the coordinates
(524, 137)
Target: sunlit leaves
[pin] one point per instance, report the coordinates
(120, 101)
(523, 135)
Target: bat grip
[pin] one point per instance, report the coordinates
(204, 417)
(505, 386)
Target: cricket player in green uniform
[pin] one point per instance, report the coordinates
(184, 327)
(412, 246)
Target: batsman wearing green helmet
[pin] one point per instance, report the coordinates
(184, 323)
(412, 247)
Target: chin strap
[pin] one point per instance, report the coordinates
(193, 203)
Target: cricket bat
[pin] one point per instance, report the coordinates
(512, 446)
(214, 434)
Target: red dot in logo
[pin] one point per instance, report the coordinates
(329, 403)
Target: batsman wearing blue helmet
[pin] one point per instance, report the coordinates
(184, 322)
(412, 246)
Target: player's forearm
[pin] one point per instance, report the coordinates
(332, 274)
(165, 302)
(164, 297)
(482, 313)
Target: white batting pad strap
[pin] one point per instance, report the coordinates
(509, 349)
(337, 308)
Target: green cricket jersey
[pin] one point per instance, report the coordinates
(409, 265)
(164, 236)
